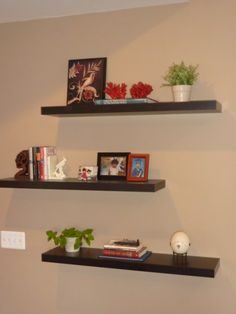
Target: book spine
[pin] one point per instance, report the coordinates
(45, 163)
(51, 161)
(38, 161)
(120, 253)
(35, 167)
(31, 167)
(41, 163)
(122, 248)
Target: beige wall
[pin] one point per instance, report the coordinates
(194, 153)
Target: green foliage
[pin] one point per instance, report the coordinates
(60, 240)
(181, 74)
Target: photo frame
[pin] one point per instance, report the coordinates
(138, 167)
(87, 173)
(112, 166)
(86, 80)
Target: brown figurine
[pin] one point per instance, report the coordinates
(22, 161)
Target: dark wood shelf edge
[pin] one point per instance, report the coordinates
(157, 263)
(74, 184)
(195, 106)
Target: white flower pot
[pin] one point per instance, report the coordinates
(70, 242)
(181, 92)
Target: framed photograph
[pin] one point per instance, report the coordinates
(112, 166)
(86, 80)
(87, 173)
(138, 166)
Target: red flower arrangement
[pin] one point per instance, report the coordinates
(116, 91)
(140, 90)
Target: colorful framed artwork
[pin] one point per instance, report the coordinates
(86, 80)
(112, 166)
(138, 166)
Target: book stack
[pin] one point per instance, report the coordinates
(42, 162)
(126, 250)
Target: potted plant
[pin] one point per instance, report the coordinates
(181, 77)
(71, 239)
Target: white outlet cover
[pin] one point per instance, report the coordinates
(13, 240)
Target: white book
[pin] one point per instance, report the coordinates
(31, 167)
(50, 163)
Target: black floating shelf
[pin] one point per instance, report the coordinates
(74, 184)
(157, 263)
(196, 106)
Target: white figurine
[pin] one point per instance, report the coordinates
(59, 174)
(180, 242)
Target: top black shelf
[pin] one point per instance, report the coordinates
(196, 106)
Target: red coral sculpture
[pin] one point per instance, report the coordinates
(140, 90)
(116, 91)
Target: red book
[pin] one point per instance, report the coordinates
(122, 253)
(41, 163)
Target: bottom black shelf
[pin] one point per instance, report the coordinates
(158, 263)
(74, 184)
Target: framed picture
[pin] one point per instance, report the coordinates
(112, 166)
(86, 80)
(87, 173)
(138, 166)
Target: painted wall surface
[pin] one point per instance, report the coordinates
(194, 153)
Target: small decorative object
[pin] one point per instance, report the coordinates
(138, 166)
(71, 239)
(140, 90)
(86, 80)
(116, 91)
(112, 166)
(180, 243)
(22, 161)
(58, 173)
(88, 173)
(181, 78)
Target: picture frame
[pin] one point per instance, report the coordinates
(86, 80)
(87, 173)
(112, 165)
(138, 167)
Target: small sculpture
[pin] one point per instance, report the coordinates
(22, 161)
(180, 243)
(58, 173)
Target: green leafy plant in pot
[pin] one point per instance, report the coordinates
(181, 77)
(71, 239)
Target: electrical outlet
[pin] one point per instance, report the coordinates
(13, 240)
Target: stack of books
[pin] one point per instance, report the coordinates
(42, 162)
(125, 250)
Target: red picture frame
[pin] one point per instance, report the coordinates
(138, 167)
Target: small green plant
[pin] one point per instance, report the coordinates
(60, 239)
(181, 74)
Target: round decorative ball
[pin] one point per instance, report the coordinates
(180, 242)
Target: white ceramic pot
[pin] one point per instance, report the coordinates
(181, 92)
(70, 242)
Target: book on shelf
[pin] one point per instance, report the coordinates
(125, 101)
(124, 244)
(42, 162)
(130, 259)
(125, 253)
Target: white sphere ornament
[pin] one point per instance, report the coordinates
(180, 242)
